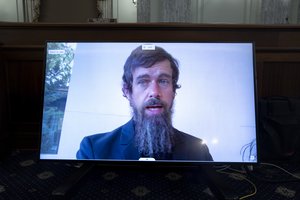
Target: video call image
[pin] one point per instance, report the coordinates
(178, 102)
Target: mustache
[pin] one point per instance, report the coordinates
(154, 102)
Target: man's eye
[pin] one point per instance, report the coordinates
(142, 82)
(164, 82)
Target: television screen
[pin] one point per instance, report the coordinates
(171, 102)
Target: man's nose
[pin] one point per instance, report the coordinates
(154, 90)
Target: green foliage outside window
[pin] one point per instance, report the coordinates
(58, 72)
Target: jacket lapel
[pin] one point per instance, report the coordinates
(127, 145)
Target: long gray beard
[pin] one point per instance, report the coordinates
(153, 134)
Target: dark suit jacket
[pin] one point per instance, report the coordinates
(119, 144)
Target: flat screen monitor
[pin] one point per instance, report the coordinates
(161, 102)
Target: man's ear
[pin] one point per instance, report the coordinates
(126, 93)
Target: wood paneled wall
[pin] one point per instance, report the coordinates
(22, 53)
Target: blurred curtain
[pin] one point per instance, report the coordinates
(31, 10)
(275, 11)
(176, 10)
(298, 16)
(143, 10)
(105, 9)
(166, 10)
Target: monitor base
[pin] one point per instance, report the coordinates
(63, 190)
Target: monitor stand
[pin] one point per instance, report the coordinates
(206, 173)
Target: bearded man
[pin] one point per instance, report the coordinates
(150, 81)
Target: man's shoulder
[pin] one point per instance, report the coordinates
(182, 136)
(108, 135)
(105, 134)
(191, 148)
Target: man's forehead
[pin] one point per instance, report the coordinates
(159, 69)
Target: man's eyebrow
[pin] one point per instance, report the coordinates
(165, 75)
(143, 76)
